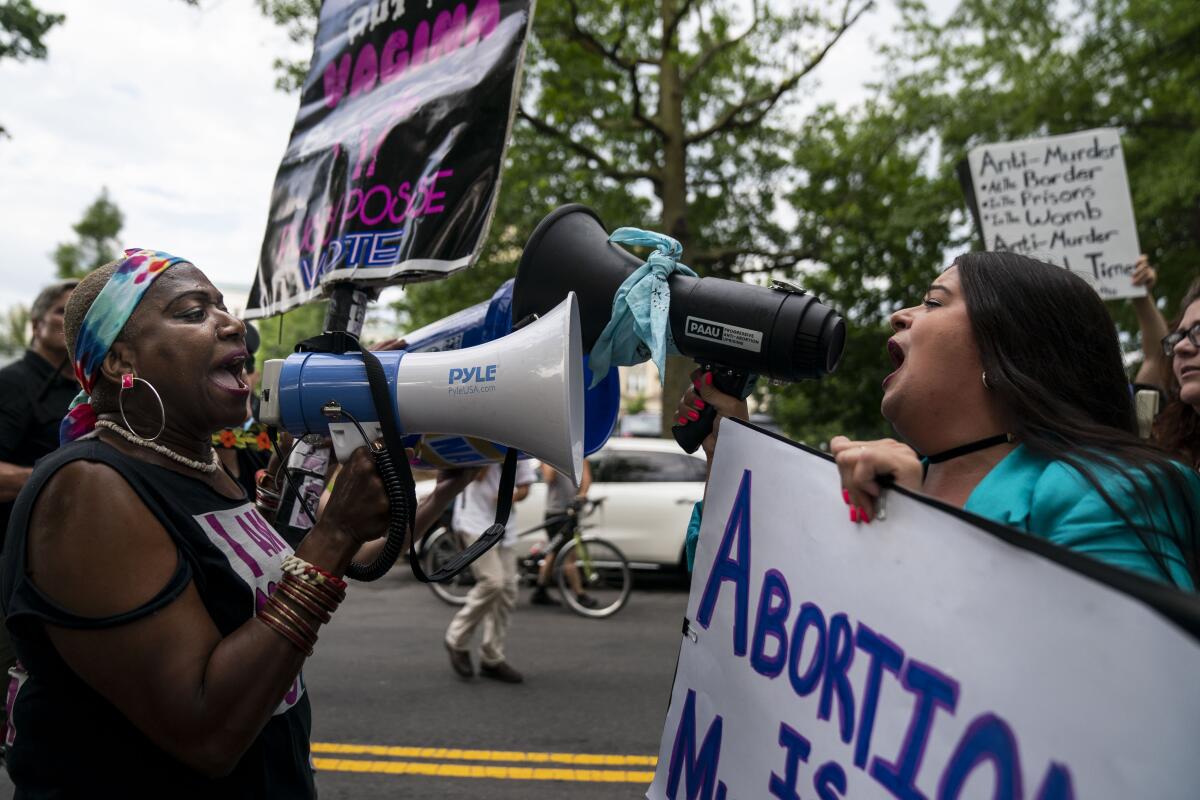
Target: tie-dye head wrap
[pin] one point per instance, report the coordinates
(102, 324)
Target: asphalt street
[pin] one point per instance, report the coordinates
(390, 719)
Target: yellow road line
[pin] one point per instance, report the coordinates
(456, 754)
(481, 771)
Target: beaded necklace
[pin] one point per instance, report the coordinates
(192, 463)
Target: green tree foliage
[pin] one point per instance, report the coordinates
(15, 329)
(278, 335)
(677, 115)
(1005, 69)
(995, 70)
(880, 224)
(96, 239)
(22, 28)
(669, 115)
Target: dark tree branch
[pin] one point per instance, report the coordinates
(673, 25)
(593, 43)
(589, 41)
(776, 259)
(763, 103)
(708, 55)
(603, 164)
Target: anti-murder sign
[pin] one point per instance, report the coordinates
(393, 166)
(929, 654)
(1062, 199)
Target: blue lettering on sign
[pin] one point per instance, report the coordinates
(798, 749)
(697, 768)
(988, 738)
(933, 690)
(885, 655)
(816, 652)
(734, 570)
(480, 374)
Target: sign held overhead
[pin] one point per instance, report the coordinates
(393, 166)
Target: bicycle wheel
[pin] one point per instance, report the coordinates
(445, 545)
(604, 575)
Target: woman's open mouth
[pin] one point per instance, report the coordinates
(896, 353)
(230, 375)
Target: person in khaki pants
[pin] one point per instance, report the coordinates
(492, 599)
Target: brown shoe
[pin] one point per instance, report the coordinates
(501, 672)
(460, 661)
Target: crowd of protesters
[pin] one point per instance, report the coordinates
(161, 596)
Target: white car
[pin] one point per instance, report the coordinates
(649, 487)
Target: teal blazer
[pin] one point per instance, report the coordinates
(1053, 501)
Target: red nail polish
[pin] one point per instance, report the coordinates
(846, 496)
(699, 403)
(708, 378)
(854, 513)
(681, 421)
(693, 415)
(864, 514)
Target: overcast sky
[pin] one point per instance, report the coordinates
(174, 110)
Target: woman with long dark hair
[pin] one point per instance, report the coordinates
(1009, 379)
(1177, 428)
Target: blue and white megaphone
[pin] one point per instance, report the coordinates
(523, 390)
(484, 322)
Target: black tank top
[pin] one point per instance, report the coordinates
(66, 740)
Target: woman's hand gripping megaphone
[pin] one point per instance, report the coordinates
(704, 398)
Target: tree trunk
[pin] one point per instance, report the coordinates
(674, 194)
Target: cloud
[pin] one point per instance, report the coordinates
(173, 109)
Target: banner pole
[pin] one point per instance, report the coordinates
(347, 308)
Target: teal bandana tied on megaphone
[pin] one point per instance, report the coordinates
(639, 328)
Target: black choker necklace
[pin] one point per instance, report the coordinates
(982, 444)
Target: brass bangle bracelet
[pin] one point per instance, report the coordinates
(304, 643)
(292, 615)
(325, 598)
(312, 593)
(304, 602)
(284, 630)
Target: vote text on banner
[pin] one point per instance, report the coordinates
(393, 166)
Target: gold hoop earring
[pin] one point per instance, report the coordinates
(986, 385)
(127, 381)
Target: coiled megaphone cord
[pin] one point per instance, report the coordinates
(393, 487)
(400, 513)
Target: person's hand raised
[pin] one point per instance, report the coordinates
(358, 505)
(1144, 274)
(861, 464)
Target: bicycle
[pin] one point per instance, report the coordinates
(603, 569)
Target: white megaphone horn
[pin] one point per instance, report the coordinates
(523, 390)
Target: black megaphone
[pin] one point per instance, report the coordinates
(733, 329)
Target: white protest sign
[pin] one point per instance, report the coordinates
(918, 656)
(1062, 199)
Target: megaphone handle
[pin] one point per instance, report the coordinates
(726, 379)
